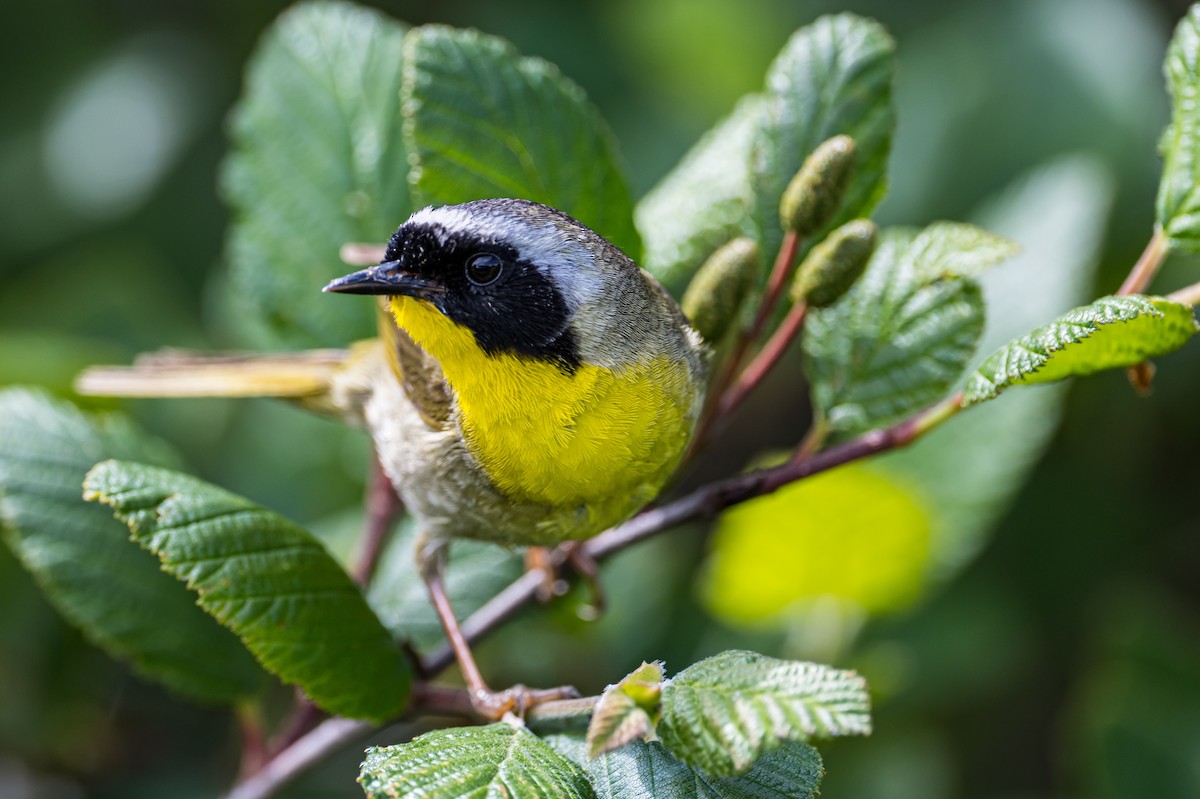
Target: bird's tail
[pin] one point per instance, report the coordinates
(309, 378)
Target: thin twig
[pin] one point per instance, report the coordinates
(813, 440)
(328, 736)
(304, 717)
(254, 742)
(382, 507)
(765, 361)
(715, 497)
(706, 501)
(1147, 265)
(562, 709)
(784, 260)
(1188, 295)
(439, 700)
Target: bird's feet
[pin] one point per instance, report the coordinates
(574, 555)
(518, 700)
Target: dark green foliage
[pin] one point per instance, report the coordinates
(267, 580)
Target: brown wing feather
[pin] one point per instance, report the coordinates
(419, 373)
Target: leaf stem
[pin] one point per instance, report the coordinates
(784, 260)
(765, 361)
(382, 507)
(254, 743)
(303, 717)
(1188, 295)
(562, 709)
(1147, 265)
(813, 440)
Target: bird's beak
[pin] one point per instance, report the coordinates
(386, 278)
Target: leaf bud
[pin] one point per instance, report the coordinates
(715, 296)
(815, 193)
(832, 266)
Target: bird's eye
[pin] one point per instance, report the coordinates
(484, 268)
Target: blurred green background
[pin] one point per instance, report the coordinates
(1062, 661)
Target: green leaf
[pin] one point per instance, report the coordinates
(498, 760)
(645, 769)
(901, 337)
(626, 711)
(1178, 207)
(833, 76)
(267, 580)
(955, 249)
(483, 122)
(477, 571)
(721, 714)
(84, 562)
(317, 160)
(1110, 333)
(703, 202)
(853, 533)
(969, 469)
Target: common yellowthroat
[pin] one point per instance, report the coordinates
(531, 385)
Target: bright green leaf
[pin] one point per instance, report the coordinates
(721, 714)
(626, 711)
(83, 560)
(266, 579)
(1110, 333)
(955, 249)
(1178, 208)
(833, 76)
(481, 121)
(900, 338)
(852, 533)
(477, 571)
(638, 770)
(969, 469)
(498, 760)
(317, 160)
(703, 202)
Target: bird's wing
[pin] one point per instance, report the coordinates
(418, 371)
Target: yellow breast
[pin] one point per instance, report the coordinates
(601, 438)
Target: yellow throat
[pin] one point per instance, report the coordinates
(600, 438)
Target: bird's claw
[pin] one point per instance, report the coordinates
(551, 563)
(518, 700)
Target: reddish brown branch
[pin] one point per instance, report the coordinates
(784, 260)
(1147, 266)
(382, 508)
(765, 361)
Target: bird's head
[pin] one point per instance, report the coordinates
(512, 273)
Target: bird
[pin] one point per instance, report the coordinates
(530, 386)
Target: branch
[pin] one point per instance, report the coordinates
(784, 259)
(703, 502)
(715, 497)
(1188, 295)
(382, 507)
(762, 365)
(328, 736)
(1147, 265)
